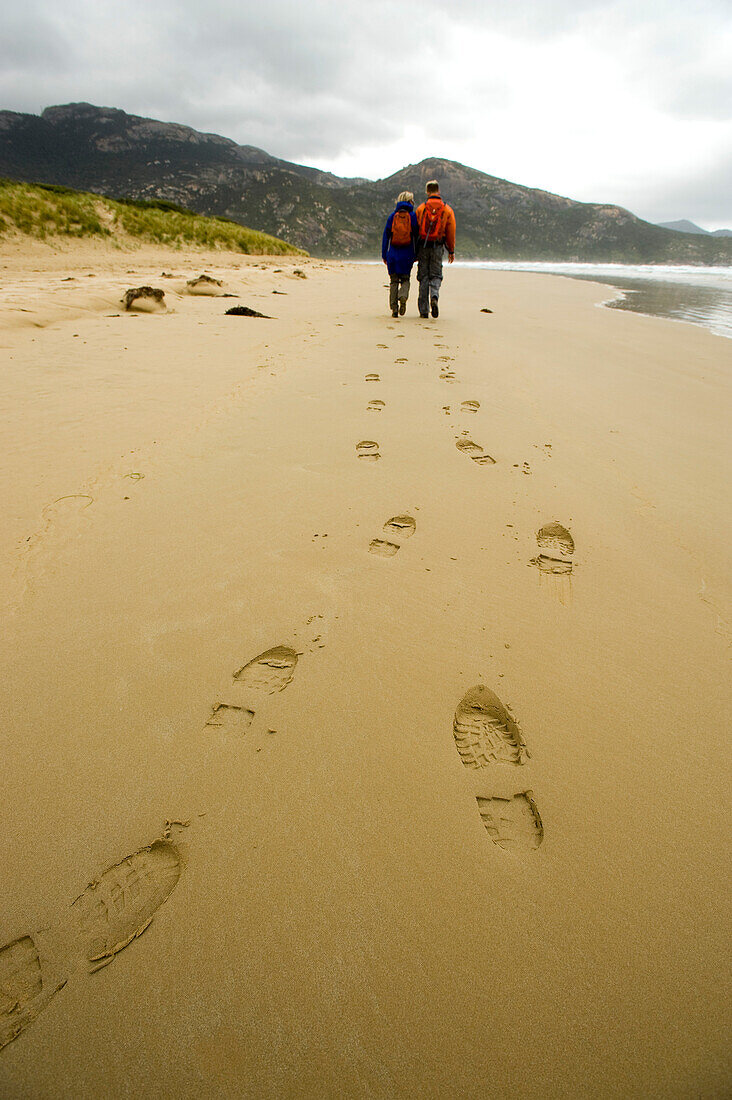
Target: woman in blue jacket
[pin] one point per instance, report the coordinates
(399, 250)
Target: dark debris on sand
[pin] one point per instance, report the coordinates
(245, 311)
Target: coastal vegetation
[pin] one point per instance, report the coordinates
(44, 211)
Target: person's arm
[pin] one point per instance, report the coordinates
(450, 235)
(415, 230)
(385, 238)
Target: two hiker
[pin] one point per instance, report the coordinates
(422, 235)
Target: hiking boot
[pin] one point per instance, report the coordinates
(402, 307)
(395, 312)
(424, 316)
(435, 308)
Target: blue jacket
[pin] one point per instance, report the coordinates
(399, 260)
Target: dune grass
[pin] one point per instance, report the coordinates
(44, 211)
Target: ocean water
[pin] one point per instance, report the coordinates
(698, 295)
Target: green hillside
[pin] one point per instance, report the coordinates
(44, 211)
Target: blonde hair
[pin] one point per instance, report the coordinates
(405, 196)
(431, 186)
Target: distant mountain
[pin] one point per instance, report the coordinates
(107, 151)
(685, 226)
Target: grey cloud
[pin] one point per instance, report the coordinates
(699, 97)
(30, 48)
(530, 19)
(702, 195)
(674, 61)
(311, 48)
(310, 81)
(355, 53)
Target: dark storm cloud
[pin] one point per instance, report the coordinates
(283, 54)
(299, 78)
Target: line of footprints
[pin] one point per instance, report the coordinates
(120, 904)
(555, 544)
(368, 449)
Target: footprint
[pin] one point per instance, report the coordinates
(71, 504)
(24, 992)
(372, 378)
(475, 451)
(265, 674)
(231, 719)
(556, 548)
(59, 518)
(375, 406)
(102, 921)
(401, 360)
(112, 912)
(486, 732)
(368, 450)
(470, 406)
(381, 546)
(444, 358)
(512, 823)
(270, 672)
(401, 527)
(382, 345)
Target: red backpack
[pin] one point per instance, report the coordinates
(434, 219)
(401, 228)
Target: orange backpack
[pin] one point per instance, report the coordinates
(401, 228)
(434, 219)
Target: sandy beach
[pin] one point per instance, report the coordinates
(251, 572)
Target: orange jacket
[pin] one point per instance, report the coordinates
(449, 225)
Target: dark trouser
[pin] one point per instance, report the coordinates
(429, 274)
(398, 290)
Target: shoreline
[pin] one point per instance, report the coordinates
(692, 294)
(188, 492)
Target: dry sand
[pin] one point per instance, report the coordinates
(346, 914)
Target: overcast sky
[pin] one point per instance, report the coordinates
(624, 101)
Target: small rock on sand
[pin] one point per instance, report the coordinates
(146, 299)
(205, 284)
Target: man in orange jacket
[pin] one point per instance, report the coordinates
(436, 221)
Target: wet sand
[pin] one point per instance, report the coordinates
(376, 670)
